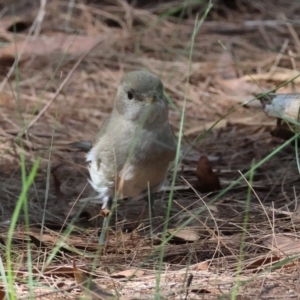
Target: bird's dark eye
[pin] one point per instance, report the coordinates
(130, 95)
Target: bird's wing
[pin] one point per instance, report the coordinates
(102, 129)
(86, 146)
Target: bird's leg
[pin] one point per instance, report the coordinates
(151, 206)
(106, 205)
(152, 213)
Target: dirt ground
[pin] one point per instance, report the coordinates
(61, 64)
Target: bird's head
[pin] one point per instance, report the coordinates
(140, 97)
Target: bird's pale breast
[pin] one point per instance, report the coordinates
(131, 161)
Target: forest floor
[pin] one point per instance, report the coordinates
(240, 242)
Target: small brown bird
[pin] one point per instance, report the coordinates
(135, 144)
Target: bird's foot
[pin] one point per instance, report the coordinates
(104, 212)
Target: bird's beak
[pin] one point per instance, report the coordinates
(150, 99)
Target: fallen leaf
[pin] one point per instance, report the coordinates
(58, 270)
(203, 127)
(281, 74)
(239, 87)
(226, 65)
(227, 77)
(186, 234)
(2, 294)
(282, 245)
(128, 273)
(203, 266)
(208, 181)
(43, 45)
(90, 289)
(66, 271)
(262, 262)
(72, 243)
(6, 100)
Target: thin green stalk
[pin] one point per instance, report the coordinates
(3, 276)
(296, 143)
(20, 203)
(150, 205)
(22, 199)
(244, 235)
(47, 181)
(27, 225)
(177, 158)
(297, 154)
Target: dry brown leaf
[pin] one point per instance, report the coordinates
(203, 266)
(281, 74)
(239, 87)
(2, 295)
(203, 127)
(90, 289)
(128, 273)
(48, 239)
(59, 270)
(44, 45)
(186, 234)
(262, 262)
(226, 64)
(54, 239)
(208, 181)
(65, 271)
(282, 245)
(6, 100)
(227, 78)
(248, 121)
